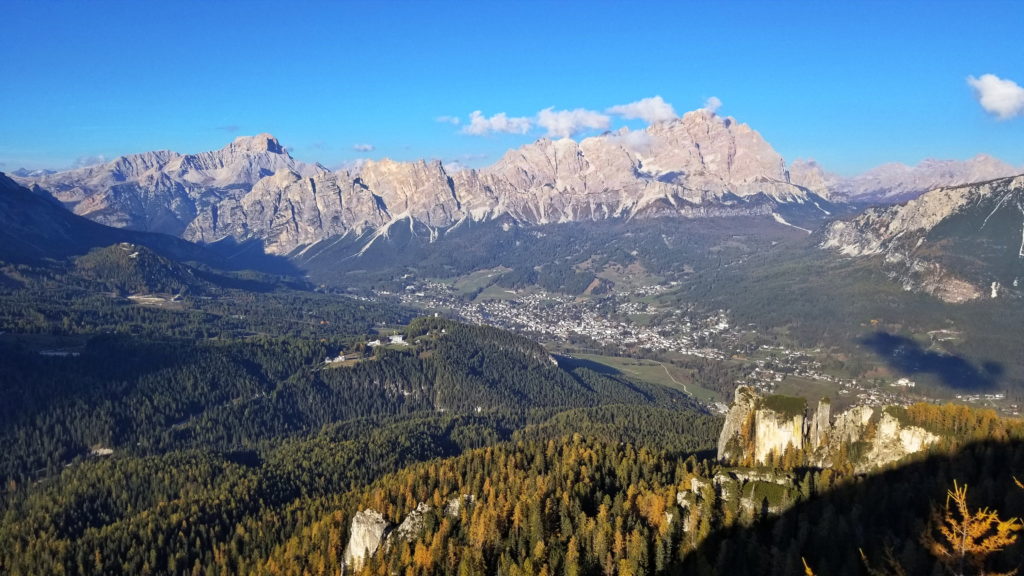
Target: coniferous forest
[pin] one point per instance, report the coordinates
(221, 434)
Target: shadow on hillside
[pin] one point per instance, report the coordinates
(252, 255)
(888, 509)
(570, 363)
(907, 357)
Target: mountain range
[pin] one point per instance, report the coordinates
(163, 191)
(895, 183)
(957, 243)
(698, 165)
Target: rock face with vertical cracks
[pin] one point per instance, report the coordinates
(366, 533)
(758, 428)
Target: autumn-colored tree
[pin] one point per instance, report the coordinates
(962, 540)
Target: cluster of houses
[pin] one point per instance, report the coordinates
(605, 320)
(616, 319)
(343, 356)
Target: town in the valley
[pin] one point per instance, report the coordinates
(619, 324)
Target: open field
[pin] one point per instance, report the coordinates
(654, 372)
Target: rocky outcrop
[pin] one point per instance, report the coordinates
(369, 530)
(735, 436)
(366, 534)
(820, 426)
(411, 525)
(892, 441)
(759, 428)
(953, 243)
(456, 504)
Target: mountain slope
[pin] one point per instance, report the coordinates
(959, 243)
(34, 226)
(162, 191)
(133, 269)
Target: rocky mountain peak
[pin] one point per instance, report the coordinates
(811, 175)
(256, 144)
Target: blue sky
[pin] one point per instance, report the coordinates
(851, 84)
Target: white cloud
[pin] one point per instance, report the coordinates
(83, 161)
(364, 147)
(453, 166)
(480, 124)
(567, 123)
(637, 141)
(649, 110)
(353, 165)
(998, 96)
(712, 104)
(454, 120)
(463, 162)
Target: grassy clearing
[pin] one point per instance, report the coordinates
(478, 280)
(653, 372)
(812, 390)
(495, 292)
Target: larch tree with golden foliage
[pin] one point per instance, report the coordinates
(963, 541)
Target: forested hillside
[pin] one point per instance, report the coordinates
(133, 446)
(162, 418)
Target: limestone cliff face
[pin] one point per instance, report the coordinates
(757, 427)
(820, 425)
(775, 432)
(738, 421)
(753, 426)
(287, 210)
(366, 534)
(892, 441)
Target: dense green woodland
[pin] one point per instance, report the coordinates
(227, 430)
